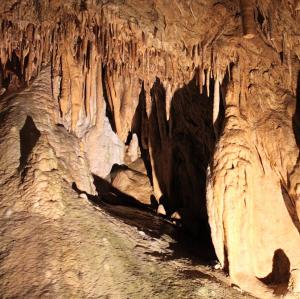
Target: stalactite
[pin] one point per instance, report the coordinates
(169, 95)
(156, 188)
(64, 97)
(93, 84)
(28, 72)
(148, 64)
(208, 82)
(148, 98)
(289, 62)
(75, 45)
(99, 95)
(87, 96)
(249, 26)
(216, 105)
(201, 79)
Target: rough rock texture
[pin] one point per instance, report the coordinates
(210, 88)
(103, 149)
(135, 183)
(54, 243)
(252, 211)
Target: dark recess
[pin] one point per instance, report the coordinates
(296, 117)
(109, 109)
(280, 274)
(182, 149)
(29, 136)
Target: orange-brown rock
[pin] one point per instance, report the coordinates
(214, 116)
(134, 183)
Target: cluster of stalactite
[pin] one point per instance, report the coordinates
(80, 47)
(88, 50)
(24, 49)
(98, 58)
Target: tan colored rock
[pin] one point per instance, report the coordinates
(138, 58)
(161, 210)
(294, 283)
(176, 216)
(133, 183)
(248, 181)
(139, 166)
(133, 151)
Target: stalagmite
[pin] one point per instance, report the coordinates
(161, 210)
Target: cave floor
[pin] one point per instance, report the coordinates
(179, 266)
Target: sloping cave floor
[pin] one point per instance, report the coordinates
(189, 268)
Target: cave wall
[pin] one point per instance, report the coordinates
(115, 65)
(247, 189)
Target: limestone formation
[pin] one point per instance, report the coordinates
(133, 183)
(133, 150)
(199, 99)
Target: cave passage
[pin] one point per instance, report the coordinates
(174, 150)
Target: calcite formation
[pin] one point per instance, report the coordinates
(205, 92)
(134, 182)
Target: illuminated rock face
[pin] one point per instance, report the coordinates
(134, 183)
(214, 116)
(251, 202)
(104, 149)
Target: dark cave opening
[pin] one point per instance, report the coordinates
(140, 127)
(182, 147)
(280, 274)
(259, 17)
(177, 151)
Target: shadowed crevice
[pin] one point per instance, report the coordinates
(109, 109)
(29, 136)
(182, 148)
(278, 279)
(290, 207)
(296, 117)
(140, 127)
